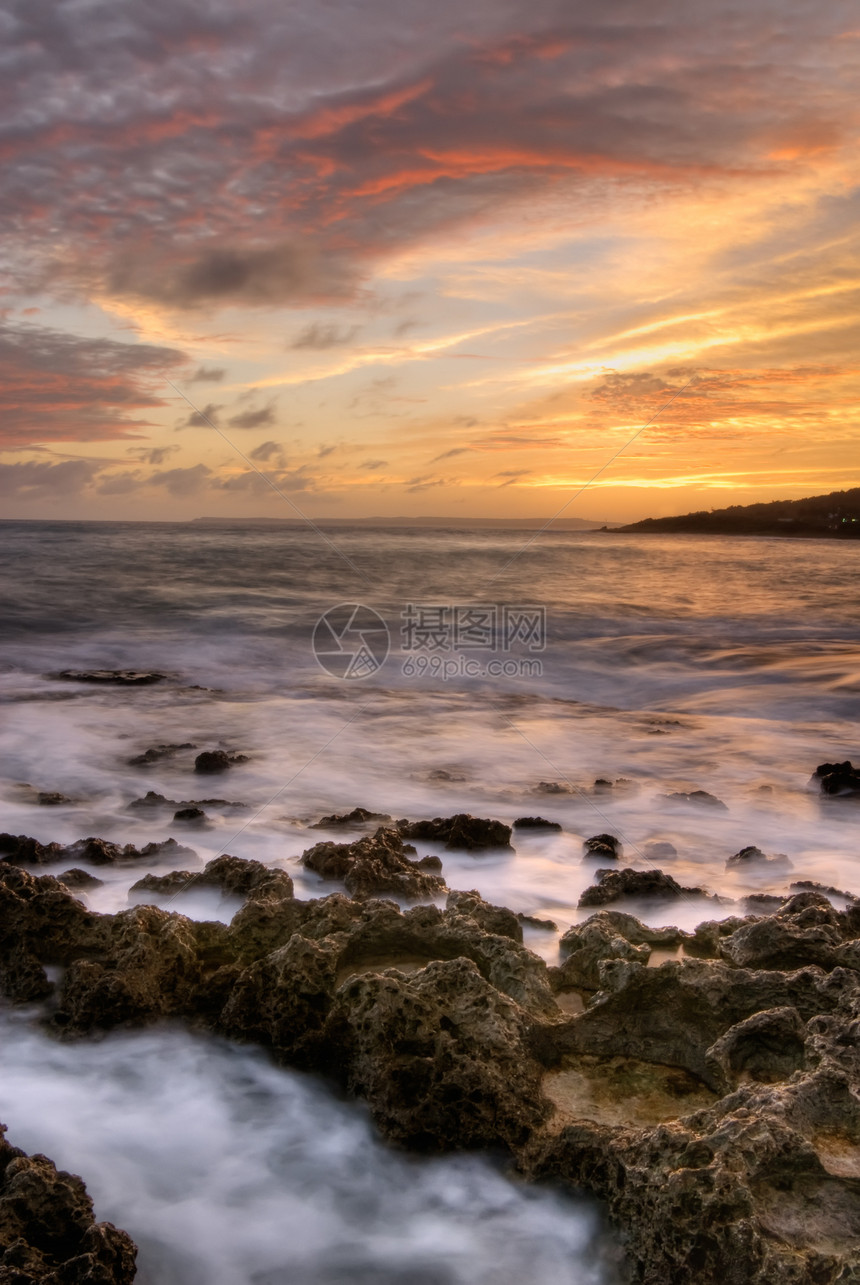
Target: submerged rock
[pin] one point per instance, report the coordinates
(79, 880)
(48, 1232)
(210, 762)
(459, 832)
(156, 753)
(698, 798)
(111, 677)
(344, 820)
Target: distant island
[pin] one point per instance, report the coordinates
(833, 516)
(458, 523)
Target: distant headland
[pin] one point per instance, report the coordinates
(833, 516)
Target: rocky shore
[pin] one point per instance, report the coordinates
(705, 1085)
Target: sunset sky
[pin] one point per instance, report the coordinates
(427, 258)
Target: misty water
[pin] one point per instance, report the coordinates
(671, 664)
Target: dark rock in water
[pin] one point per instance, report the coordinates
(377, 864)
(532, 921)
(21, 849)
(156, 753)
(621, 785)
(190, 816)
(837, 778)
(441, 774)
(535, 823)
(212, 761)
(603, 847)
(756, 859)
(551, 787)
(152, 801)
(660, 849)
(79, 880)
(699, 798)
(48, 1232)
(358, 816)
(52, 800)
(459, 832)
(111, 677)
(612, 885)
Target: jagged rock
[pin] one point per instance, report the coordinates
(756, 859)
(156, 753)
(810, 885)
(535, 823)
(190, 816)
(533, 921)
(233, 876)
(376, 864)
(52, 799)
(460, 831)
(79, 880)
(48, 1232)
(712, 1102)
(610, 934)
(762, 903)
(551, 787)
(769, 1046)
(837, 778)
(442, 1057)
(211, 762)
(612, 885)
(603, 847)
(152, 801)
(660, 849)
(21, 850)
(111, 677)
(344, 820)
(699, 798)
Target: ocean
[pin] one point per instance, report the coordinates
(583, 677)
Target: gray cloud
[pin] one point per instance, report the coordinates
(265, 451)
(320, 336)
(208, 375)
(253, 418)
(204, 418)
(36, 480)
(181, 481)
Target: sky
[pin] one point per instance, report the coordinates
(384, 257)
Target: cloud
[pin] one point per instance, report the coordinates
(208, 375)
(373, 464)
(36, 480)
(200, 157)
(204, 418)
(181, 481)
(154, 455)
(258, 484)
(265, 451)
(253, 418)
(447, 455)
(320, 336)
(55, 386)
